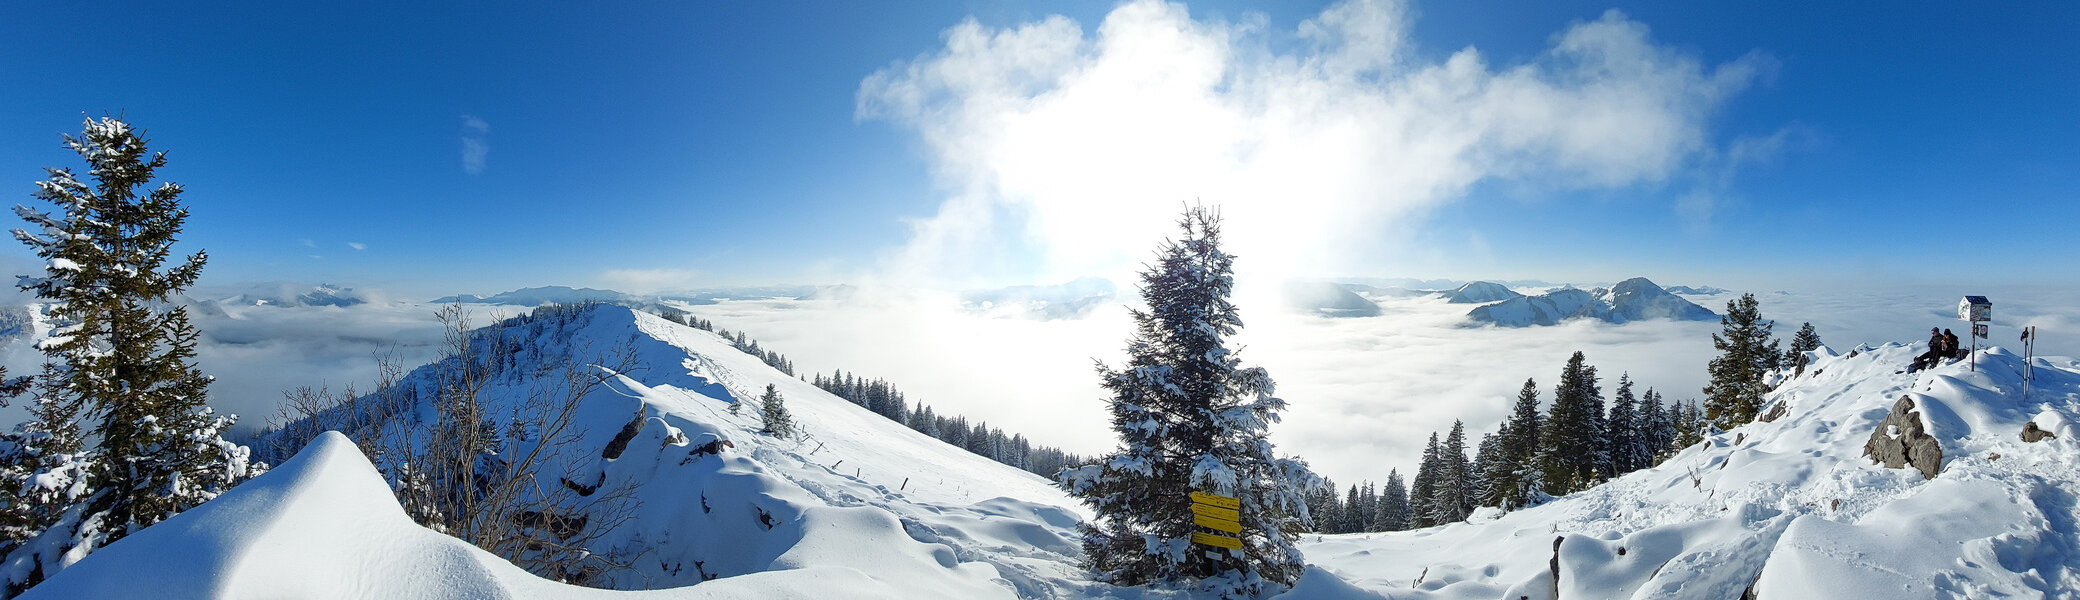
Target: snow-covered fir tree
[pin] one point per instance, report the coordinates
(1806, 340)
(1571, 445)
(1493, 475)
(1324, 507)
(1690, 425)
(1453, 490)
(1393, 505)
(1190, 418)
(120, 367)
(1657, 428)
(1520, 449)
(1352, 521)
(1746, 352)
(1628, 451)
(1422, 492)
(772, 413)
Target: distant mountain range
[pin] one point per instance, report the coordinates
(212, 301)
(1635, 299)
(537, 296)
(1703, 290)
(1044, 302)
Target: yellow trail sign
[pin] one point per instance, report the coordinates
(1217, 512)
(1213, 523)
(1218, 541)
(1220, 501)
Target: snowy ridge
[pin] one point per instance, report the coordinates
(860, 505)
(1481, 292)
(1635, 299)
(1791, 507)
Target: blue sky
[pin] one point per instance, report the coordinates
(665, 144)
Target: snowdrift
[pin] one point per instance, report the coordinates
(1791, 508)
(858, 507)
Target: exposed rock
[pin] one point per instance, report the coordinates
(1776, 411)
(1555, 564)
(2030, 432)
(1901, 440)
(620, 442)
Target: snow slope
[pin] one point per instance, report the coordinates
(1481, 292)
(858, 507)
(1791, 507)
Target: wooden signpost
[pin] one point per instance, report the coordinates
(1218, 513)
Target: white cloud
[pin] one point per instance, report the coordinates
(1083, 147)
(357, 246)
(474, 144)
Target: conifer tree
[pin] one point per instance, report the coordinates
(1628, 452)
(1806, 340)
(120, 371)
(1571, 445)
(1324, 507)
(1520, 448)
(1190, 417)
(1494, 476)
(1422, 493)
(1454, 485)
(1353, 514)
(1746, 352)
(1393, 505)
(1657, 429)
(772, 412)
(1690, 425)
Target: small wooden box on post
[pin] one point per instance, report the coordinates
(1975, 310)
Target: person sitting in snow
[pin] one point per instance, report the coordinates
(1935, 352)
(1950, 343)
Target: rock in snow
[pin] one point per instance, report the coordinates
(1901, 440)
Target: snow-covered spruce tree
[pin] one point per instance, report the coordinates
(1190, 417)
(772, 411)
(1690, 425)
(1746, 352)
(1422, 493)
(1571, 446)
(1628, 453)
(1520, 448)
(120, 364)
(1806, 340)
(1393, 504)
(1494, 475)
(1657, 431)
(1323, 506)
(1453, 491)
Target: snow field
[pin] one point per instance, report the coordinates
(1791, 507)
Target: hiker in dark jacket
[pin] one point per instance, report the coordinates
(1935, 353)
(1950, 342)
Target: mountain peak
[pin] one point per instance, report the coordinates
(1635, 299)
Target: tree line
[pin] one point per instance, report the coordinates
(882, 398)
(1577, 442)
